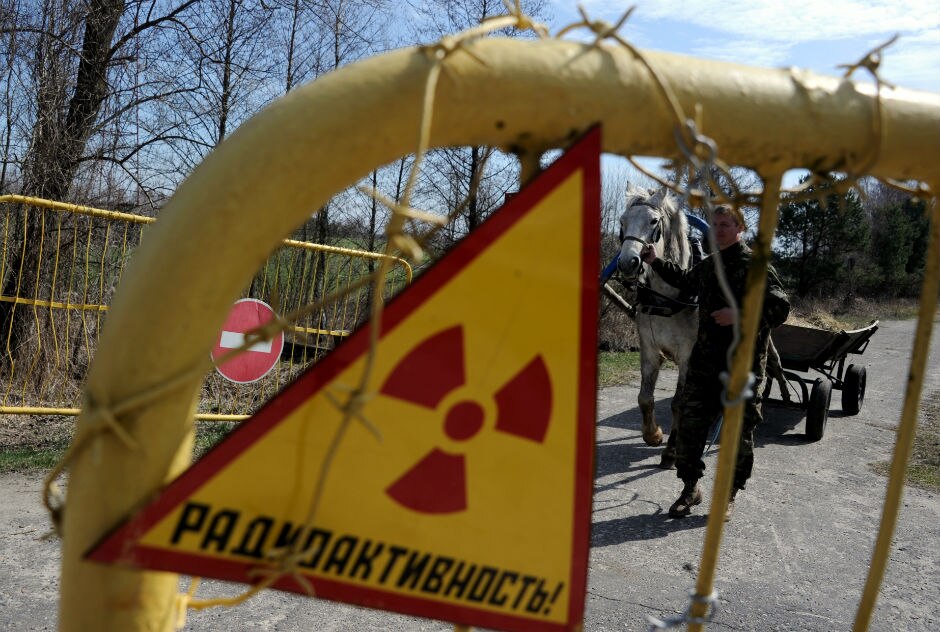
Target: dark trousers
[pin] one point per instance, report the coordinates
(700, 409)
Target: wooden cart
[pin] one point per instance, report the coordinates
(805, 349)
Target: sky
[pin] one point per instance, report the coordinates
(814, 34)
(818, 35)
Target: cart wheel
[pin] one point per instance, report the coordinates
(853, 390)
(818, 410)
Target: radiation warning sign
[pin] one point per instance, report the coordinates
(467, 495)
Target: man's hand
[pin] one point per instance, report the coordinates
(724, 316)
(648, 253)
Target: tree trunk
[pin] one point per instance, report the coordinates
(52, 160)
(473, 206)
(224, 104)
(291, 46)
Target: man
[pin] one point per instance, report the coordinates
(702, 403)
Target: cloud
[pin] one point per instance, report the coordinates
(793, 21)
(757, 53)
(914, 61)
(798, 20)
(774, 34)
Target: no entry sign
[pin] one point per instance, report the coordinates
(253, 364)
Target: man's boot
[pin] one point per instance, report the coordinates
(730, 509)
(691, 495)
(668, 458)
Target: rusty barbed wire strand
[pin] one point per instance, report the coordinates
(410, 244)
(872, 62)
(706, 174)
(398, 241)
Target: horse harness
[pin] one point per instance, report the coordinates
(651, 302)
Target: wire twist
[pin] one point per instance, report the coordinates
(678, 621)
(700, 157)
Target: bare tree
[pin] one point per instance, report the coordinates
(75, 52)
(301, 40)
(351, 29)
(9, 15)
(451, 172)
(113, 102)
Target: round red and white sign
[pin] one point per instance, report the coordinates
(253, 364)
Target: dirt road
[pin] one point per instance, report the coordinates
(794, 557)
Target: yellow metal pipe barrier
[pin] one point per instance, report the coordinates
(750, 312)
(220, 417)
(39, 410)
(907, 427)
(521, 95)
(140, 219)
(72, 412)
(362, 254)
(41, 303)
(55, 406)
(76, 209)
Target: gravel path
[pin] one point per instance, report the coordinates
(794, 556)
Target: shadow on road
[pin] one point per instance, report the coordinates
(632, 419)
(642, 527)
(616, 456)
(780, 426)
(622, 455)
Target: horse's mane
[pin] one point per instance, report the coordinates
(675, 226)
(675, 232)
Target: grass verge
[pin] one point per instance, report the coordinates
(923, 470)
(26, 458)
(835, 314)
(208, 434)
(43, 456)
(617, 368)
(614, 369)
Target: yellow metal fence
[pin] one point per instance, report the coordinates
(60, 264)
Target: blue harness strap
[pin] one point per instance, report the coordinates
(697, 222)
(609, 270)
(694, 221)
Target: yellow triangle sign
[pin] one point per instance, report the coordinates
(473, 505)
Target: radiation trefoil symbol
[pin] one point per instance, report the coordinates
(437, 483)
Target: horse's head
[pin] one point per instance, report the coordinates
(646, 220)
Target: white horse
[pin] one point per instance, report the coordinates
(666, 321)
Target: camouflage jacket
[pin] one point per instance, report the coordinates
(713, 340)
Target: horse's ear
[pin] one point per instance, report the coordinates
(657, 199)
(631, 196)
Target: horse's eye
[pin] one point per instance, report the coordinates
(653, 222)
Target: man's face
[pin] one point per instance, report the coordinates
(727, 231)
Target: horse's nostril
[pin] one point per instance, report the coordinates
(629, 265)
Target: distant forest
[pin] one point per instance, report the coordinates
(832, 241)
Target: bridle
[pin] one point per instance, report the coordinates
(649, 301)
(657, 232)
(654, 238)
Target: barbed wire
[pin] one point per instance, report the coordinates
(699, 157)
(399, 241)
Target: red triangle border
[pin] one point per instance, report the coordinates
(120, 545)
